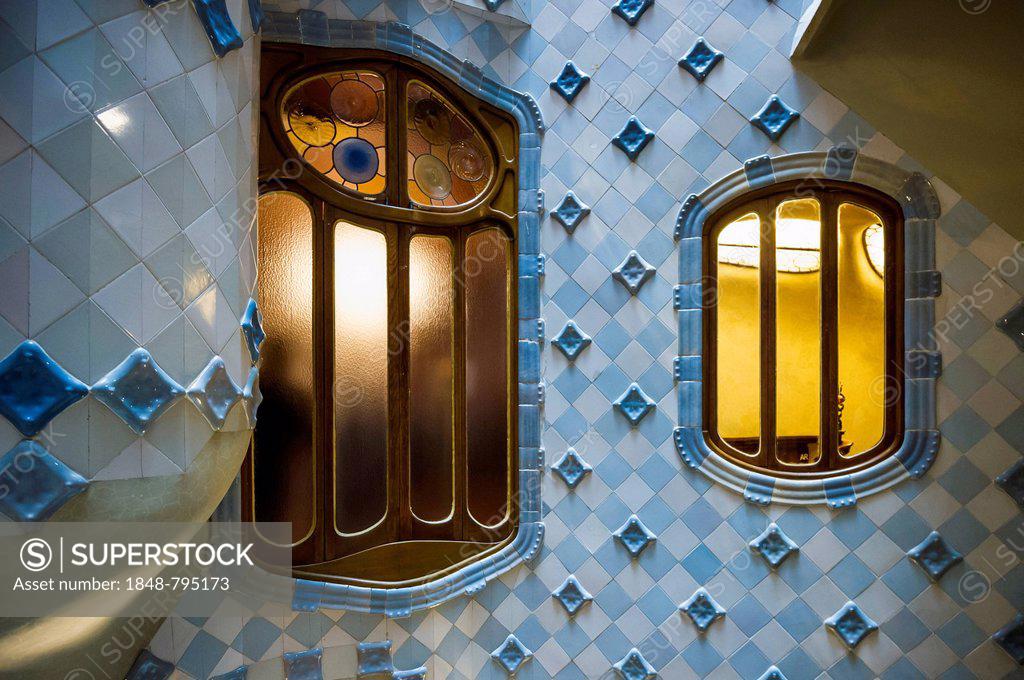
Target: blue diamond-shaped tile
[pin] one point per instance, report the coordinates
(702, 609)
(571, 340)
(570, 212)
(493, 5)
(635, 536)
(137, 390)
(570, 81)
(633, 137)
(252, 396)
(252, 330)
(634, 404)
(774, 545)
(633, 272)
(37, 483)
(701, 58)
(34, 388)
(511, 654)
(1013, 324)
(571, 468)
(303, 665)
(214, 392)
(374, 658)
(1012, 482)
(572, 595)
(934, 555)
(851, 624)
(773, 673)
(148, 666)
(634, 666)
(631, 10)
(1011, 638)
(774, 117)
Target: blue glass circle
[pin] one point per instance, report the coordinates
(356, 160)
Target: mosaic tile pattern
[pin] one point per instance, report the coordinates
(775, 617)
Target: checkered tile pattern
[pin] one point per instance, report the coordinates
(859, 554)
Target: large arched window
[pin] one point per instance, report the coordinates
(386, 252)
(803, 328)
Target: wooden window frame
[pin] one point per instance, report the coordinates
(391, 213)
(763, 202)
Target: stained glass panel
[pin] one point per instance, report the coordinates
(449, 163)
(336, 122)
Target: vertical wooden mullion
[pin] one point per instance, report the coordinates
(829, 438)
(399, 497)
(767, 456)
(323, 445)
(395, 161)
(460, 463)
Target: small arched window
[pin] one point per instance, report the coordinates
(386, 253)
(803, 329)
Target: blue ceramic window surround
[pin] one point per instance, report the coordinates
(571, 340)
(851, 625)
(633, 272)
(701, 59)
(570, 212)
(570, 81)
(774, 117)
(635, 536)
(702, 609)
(571, 468)
(634, 404)
(34, 388)
(631, 10)
(43, 483)
(920, 444)
(633, 137)
(511, 654)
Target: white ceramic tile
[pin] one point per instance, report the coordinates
(51, 293)
(35, 102)
(57, 20)
(140, 131)
(138, 216)
(147, 52)
(33, 197)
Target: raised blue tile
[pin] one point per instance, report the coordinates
(570, 212)
(634, 536)
(1011, 638)
(1012, 482)
(511, 654)
(774, 545)
(252, 330)
(252, 396)
(633, 272)
(934, 555)
(493, 5)
(213, 15)
(572, 595)
(148, 666)
(774, 117)
(631, 10)
(570, 81)
(1013, 324)
(571, 468)
(214, 392)
(633, 137)
(37, 484)
(851, 625)
(634, 666)
(701, 58)
(411, 674)
(240, 673)
(702, 609)
(256, 14)
(34, 388)
(773, 673)
(137, 390)
(303, 665)
(571, 340)
(374, 658)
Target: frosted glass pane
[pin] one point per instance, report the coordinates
(487, 375)
(798, 331)
(862, 380)
(431, 324)
(738, 311)
(360, 385)
(284, 465)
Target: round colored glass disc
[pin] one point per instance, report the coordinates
(354, 102)
(356, 160)
(432, 121)
(311, 125)
(467, 162)
(432, 176)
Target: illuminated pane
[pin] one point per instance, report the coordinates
(360, 377)
(862, 376)
(336, 122)
(448, 161)
(738, 310)
(284, 464)
(798, 331)
(487, 374)
(431, 325)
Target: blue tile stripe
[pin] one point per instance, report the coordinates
(399, 38)
(921, 439)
